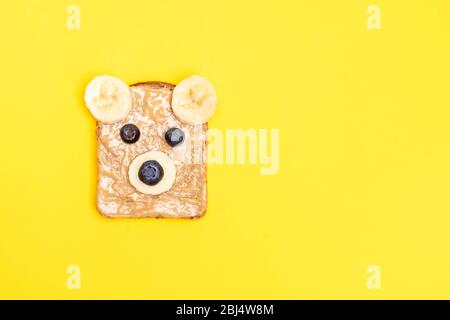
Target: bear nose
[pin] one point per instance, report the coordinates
(151, 172)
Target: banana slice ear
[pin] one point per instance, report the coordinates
(194, 100)
(108, 99)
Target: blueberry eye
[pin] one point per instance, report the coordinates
(174, 136)
(130, 133)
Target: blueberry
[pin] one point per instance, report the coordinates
(151, 172)
(174, 136)
(130, 133)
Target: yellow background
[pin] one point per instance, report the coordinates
(364, 123)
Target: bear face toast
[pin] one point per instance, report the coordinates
(152, 146)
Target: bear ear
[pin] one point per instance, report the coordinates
(194, 100)
(108, 99)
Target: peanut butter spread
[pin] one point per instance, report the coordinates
(152, 113)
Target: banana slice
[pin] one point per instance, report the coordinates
(194, 100)
(152, 172)
(108, 98)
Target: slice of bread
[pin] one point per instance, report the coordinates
(152, 113)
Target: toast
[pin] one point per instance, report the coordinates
(151, 161)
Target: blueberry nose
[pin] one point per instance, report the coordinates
(151, 172)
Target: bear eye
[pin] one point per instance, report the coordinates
(130, 133)
(174, 136)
